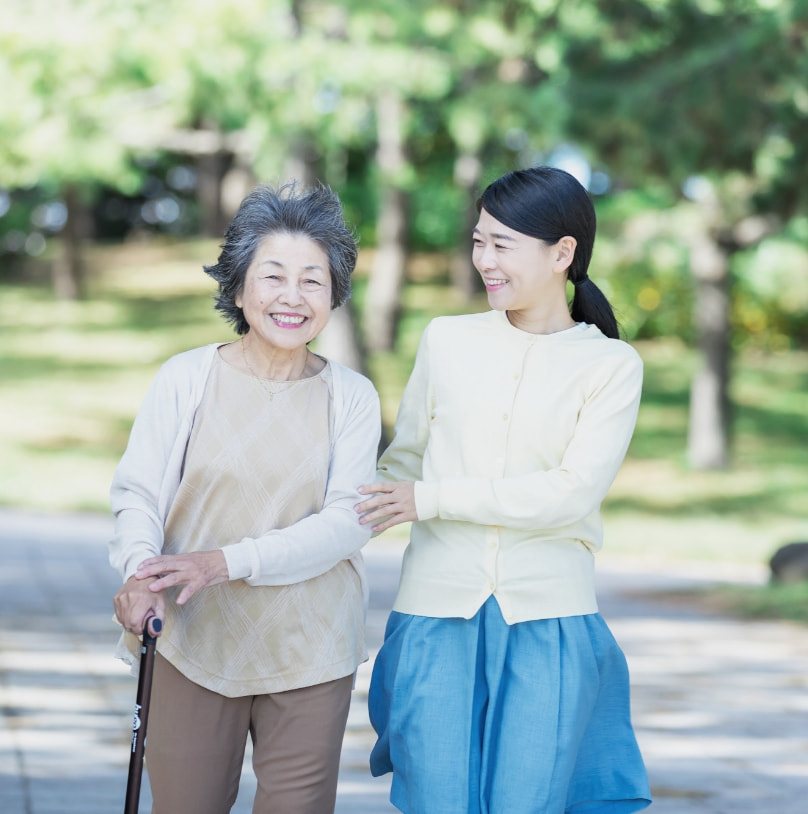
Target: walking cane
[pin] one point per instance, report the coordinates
(151, 630)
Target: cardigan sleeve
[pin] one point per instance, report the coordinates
(316, 543)
(149, 472)
(562, 495)
(138, 479)
(403, 458)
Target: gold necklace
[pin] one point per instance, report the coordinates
(270, 387)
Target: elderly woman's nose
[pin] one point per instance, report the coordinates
(291, 293)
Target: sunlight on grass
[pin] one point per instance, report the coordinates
(661, 510)
(74, 373)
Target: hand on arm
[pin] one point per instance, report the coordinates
(195, 571)
(392, 504)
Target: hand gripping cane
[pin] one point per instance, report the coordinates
(151, 630)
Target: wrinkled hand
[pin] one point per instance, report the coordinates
(194, 571)
(135, 603)
(392, 504)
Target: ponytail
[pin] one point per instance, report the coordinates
(589, 304)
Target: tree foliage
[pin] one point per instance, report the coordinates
(669, 99)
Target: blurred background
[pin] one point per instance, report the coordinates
(130, 130)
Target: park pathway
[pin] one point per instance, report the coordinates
(720, 705)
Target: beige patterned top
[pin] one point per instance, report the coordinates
(258, 460)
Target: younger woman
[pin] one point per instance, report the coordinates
(499, 688)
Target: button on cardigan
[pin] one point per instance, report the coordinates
(513, 440)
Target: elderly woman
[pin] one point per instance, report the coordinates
(235, 524)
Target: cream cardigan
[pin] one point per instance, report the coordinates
(148, 476)
(513, 440)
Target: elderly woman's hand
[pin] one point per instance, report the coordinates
(393, 503)
(135, 603)
(197, 570)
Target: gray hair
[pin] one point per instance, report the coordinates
(315, 213)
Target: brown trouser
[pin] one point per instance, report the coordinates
(196, 741)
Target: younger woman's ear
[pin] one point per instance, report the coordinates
(565, 252)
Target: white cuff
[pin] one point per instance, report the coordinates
(426, 500)
(239, 559)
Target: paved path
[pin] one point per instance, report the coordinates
(720, 706)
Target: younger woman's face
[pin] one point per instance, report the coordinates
(519, 272)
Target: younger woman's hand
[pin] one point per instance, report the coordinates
(391, 504)
(195, 571)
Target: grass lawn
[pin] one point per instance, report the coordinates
(73, 375)
(789, 601)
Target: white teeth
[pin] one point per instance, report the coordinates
(495, 282)
(287, 320)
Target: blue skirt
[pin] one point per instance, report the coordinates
(474, 716)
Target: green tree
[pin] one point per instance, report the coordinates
(458, 89)
(711, 100)
(68, 89)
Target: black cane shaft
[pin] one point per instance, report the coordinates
(141, 716)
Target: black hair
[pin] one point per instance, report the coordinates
(548, 203)
(315, 213)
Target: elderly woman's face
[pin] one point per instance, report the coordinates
(286, 297)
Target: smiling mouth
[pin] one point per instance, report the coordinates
(287, 319)
(489, 283)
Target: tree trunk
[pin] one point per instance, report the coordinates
(68, 266)
(212, 169)
(340, 341)
(235, 186)
(464, 277)
(383, 297)
(303, 162)
(303, 158)
(710, 414)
